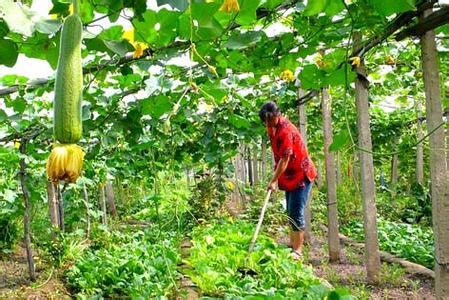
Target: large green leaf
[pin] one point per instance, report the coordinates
(19, 105)
(315, 7)
(48, 26)
(334, 7)
(203, 12)
(339, 141)
(8, 53)
(311, 77)
(60, 7)
(3, 29)
(121, 48)
(18, 19)
(157, 28)
(337, 77)
(240, 41)
(112, 33)
(86, 11)
(95, 44)
(12, 79)
(239, 122)
(389, 7)
(52, 56)
(208, 31)
(156, 106)
(247, 13)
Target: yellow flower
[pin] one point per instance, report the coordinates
(65, 162)
(229, 185)
(287, 75)
(389, 59)
(355, 61)
(139, 47)
(129, 35)
(230, 5)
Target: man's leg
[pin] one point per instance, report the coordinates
(297, 240)
(293, 209)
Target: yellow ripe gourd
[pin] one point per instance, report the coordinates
(66, 159)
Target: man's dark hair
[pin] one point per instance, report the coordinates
(268, 110)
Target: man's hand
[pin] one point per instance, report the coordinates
(282, 166)
(271, 186)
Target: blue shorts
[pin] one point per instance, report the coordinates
(296, 204)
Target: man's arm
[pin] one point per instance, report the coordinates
(282, 166)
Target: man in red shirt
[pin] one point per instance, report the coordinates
(294, 170)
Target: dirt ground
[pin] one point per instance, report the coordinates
(350, 273)
(15, 283)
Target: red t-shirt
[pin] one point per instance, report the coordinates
(286, 141)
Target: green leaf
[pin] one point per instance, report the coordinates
(95, 44)
(112, 33)
(60, 7)
(121, 48)
(334, 7)
(157, 28)
(86, 12)
(209, 31)
(315, 7)
(247, 13)
(311, 77)
(337, 77)
(52, 56)
(12, 79)
(17, 19)
(339, 141)
(48, 26)
(340, 294)
(115, 7)
(389, 7)
(239, 41)
(86, 113)
(239, 122)
(181, 5)
(156, 106)
(19, 105)
(204, 12)
(3, 29)
(8, 53)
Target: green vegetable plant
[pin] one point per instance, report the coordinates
(221, 266)
(144, 267)
(412, 242)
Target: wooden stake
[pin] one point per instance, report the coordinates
(367, 172)
(27, 214)
(438, 173)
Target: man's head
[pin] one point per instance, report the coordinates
(269, 114)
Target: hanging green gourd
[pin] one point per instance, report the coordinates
(66, 159)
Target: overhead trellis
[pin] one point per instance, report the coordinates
(402, 20)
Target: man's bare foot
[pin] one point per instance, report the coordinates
(296, 255)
